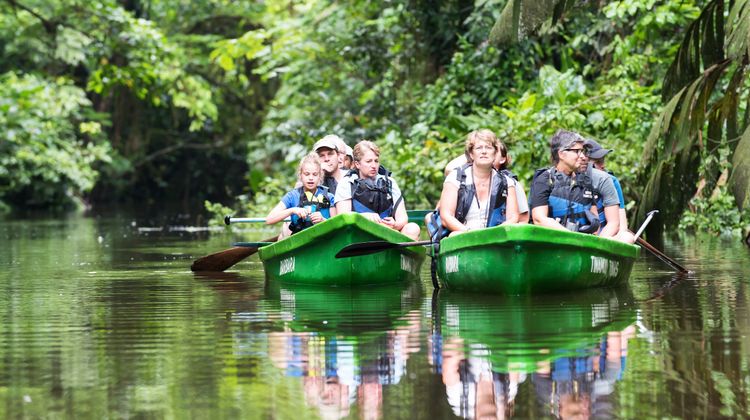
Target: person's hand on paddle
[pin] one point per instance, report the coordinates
(316, 217)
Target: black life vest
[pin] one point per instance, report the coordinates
(373, 195)
(466, 195)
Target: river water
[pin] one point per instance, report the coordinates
(102, 318)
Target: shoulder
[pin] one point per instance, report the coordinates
(455, 163)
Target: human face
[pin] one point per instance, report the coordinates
(341, 156)
(599, 164)
(329, 159)
(570, 157)
(368, 165)
(483, 153)
(310, 176)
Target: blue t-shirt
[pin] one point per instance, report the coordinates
(618, 187)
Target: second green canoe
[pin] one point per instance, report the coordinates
(307, 257)
(520, 259)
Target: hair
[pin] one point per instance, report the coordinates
(475, 136)
(309, 159)
(362, 147)
(562, 139)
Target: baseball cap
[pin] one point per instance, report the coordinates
(596, 151)
(327, 141)
(349, 151)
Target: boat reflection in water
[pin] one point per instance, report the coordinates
(345, 344)
(567, 349)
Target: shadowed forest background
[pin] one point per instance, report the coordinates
(169, 104)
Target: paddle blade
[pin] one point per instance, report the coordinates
(222, 260)
(365, 248)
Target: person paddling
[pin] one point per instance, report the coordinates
(476, 195)
(560, 198)
(596, 157)
(306, 205)
(369, 189)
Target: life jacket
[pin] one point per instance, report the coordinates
(373, 195)
(466, 195)
(330, 182)
(571, 199)
(318, 202)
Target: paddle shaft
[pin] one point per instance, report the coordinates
(660, 255)
(645, 223)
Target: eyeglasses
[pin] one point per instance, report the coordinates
(582, 151)
(481, 148)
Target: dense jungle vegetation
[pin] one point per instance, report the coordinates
(183, 101)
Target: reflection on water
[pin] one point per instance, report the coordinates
(99, 320)
(571, 347)
(344, 344)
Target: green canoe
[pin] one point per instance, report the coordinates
(520, 259)
(307, 257)
(517, 333)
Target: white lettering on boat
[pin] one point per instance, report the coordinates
(451, 264)
(286, 266)
(601, 265)
(408, 264)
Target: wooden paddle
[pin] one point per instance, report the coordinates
(222, 260)
(372, 247)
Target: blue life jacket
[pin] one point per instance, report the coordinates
(571, 199)
(373, 195)
(466, 194)
(319, 202)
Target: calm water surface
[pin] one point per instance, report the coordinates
(101, 318)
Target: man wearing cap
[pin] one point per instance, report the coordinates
(327, 151)
(340, 148)
(596, 155)
(560, 198)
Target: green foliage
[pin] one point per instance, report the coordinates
(50, 149)
(715, 210)
(216, 214)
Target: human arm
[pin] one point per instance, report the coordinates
(448, 203)
(539, 201)
(281, 212)
(511, 206)
(540, 216)
(612, 214)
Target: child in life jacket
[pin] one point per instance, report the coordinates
(307, 205)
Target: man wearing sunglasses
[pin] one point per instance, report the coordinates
(560, 198)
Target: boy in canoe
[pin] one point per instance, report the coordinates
(561, 198)
(306, 205)
(328, 152)
(368, 189)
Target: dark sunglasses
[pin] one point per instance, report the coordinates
(582, 151)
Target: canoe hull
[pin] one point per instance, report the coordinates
(308, 256)
(521, 259)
